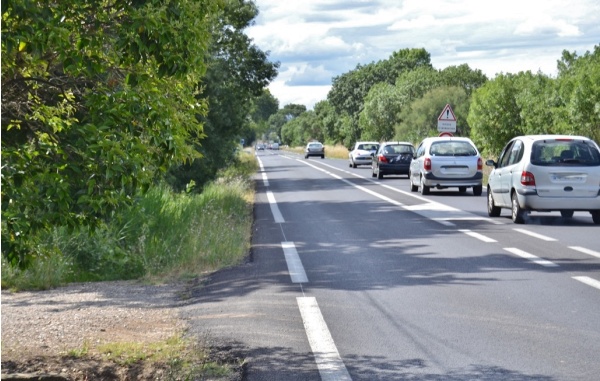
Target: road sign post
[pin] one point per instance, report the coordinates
(447, 120)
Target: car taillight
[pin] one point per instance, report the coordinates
(382, 159)
(427, 164)
(527, 179)
(479, 164)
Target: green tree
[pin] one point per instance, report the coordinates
(494, 115)
(380, 113)
(98, 100)
(419, 120)
(238, 72)
(464, 77)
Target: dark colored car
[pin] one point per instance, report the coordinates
(314, 149)
(392, 158)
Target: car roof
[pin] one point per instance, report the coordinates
(395, 143)
(551, 137)
(447, 138)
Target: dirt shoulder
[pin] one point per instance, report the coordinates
(42, 330)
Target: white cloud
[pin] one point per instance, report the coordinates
(317, 40)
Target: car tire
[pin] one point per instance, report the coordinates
(477, 190)
(517, 213)
(493, 210)
(322, 156)
(596, 216)
(379, 174)
(353, 165)
(413, 187)
(306, 156)
(424, 188)
(350, 164)
(566, 213)
(462, 189)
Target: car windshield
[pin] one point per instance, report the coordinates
(564, 152)
(452, 148)
(315, 145)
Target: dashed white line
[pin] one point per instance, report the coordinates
(294, 264)
(585, 251)
(589, 281)
(480, 237)
(330, 364)
(531, 257)
(274, 208)
(536, 235)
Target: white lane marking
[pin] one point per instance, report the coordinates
(480, 237)
(274, 208)
(536, 235)
(589, 281)
(294, 263)
(585, 251)
(263, 173)
(330, 364)
(531, 257)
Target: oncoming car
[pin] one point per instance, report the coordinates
(314, 149)
(392, 158)
(362, 153)
(444, 162)
(546, 173)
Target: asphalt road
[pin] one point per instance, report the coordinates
(354, 278)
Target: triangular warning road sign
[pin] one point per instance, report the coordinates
(447, 114)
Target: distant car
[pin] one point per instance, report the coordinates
(392, 158)
(445, 162)
(362, 153)
(314, 149)
(275, 146)
(546, 173)
(260, 147)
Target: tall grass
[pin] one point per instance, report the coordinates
(164, 235)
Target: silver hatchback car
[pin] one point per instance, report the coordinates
(546, 173)
(444, 162)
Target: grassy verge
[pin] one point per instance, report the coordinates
(163, 237)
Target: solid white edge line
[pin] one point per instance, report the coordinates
(330, 364)
(536, 235)
(585, 251)
(480, 237)
(274, 208)
(589, 281)
(531, 257)
(294, 264)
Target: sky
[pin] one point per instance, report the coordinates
(317, 40)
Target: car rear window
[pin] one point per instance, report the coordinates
(452, 148)
(564, 153)
(315, 145)
(399, 149)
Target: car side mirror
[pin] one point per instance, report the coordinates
(491, 163)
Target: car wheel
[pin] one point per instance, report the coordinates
(379, 174)
(353, 165)
(350, 163)
(517, 213)
(493, 210)
(566, 213)
(596, 216)
(477, 190)
(306, 156)
(322, 156)
(462, 189)
(424, 188)
(413, 187)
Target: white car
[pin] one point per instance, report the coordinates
(444, 162)
(546, 173)
(362, 153)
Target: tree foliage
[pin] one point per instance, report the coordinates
(98, 100)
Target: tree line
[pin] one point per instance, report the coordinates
(401, 97)
(103, 100)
